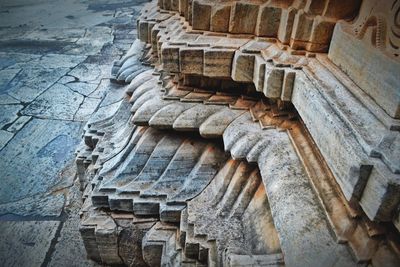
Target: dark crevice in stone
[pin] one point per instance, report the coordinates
(54, 242)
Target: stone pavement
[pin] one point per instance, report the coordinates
(55, 59)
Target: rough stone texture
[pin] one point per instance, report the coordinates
(55, 57)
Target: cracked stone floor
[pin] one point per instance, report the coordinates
(55, 60)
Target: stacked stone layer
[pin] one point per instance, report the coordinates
(307, 170)
(362, 159)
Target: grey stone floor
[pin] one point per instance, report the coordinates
(55, 60)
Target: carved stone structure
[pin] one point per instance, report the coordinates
(253, 133)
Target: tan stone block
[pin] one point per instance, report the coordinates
(143, 32)
(243, 18)
(235, 43)
(154, 39)
(205, 40)
(286, 25)
(287, 87)
(302, 28)
(243, 67)
(218, 62)
(189, 15)
(321, 35)
(315, 7)
(255, 46)
(149, 31)
(273, 82)
(201, 16)
(170, 57)
(268, 21)
(220, 18)
(191, 60)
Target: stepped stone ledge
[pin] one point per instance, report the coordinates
(249, 142)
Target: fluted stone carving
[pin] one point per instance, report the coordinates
(243, 145)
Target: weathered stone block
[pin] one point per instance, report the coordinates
(321, 35)
(183, 8)
(381, 195)
(170, 57)
(302, 30)
(201, 15)
(268, 21)
(243, 67)
(259, 73)
(166, 4)
(287, 88)
(220, 18)
(191, 60)
(273, 82)
(218, 62)
(286, 25)
(143, 31)
(243, 18)
(175, 5)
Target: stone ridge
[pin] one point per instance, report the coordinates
(360, 161)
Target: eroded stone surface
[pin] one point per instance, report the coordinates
(63, 107)
(37, 51)
(253, 134)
